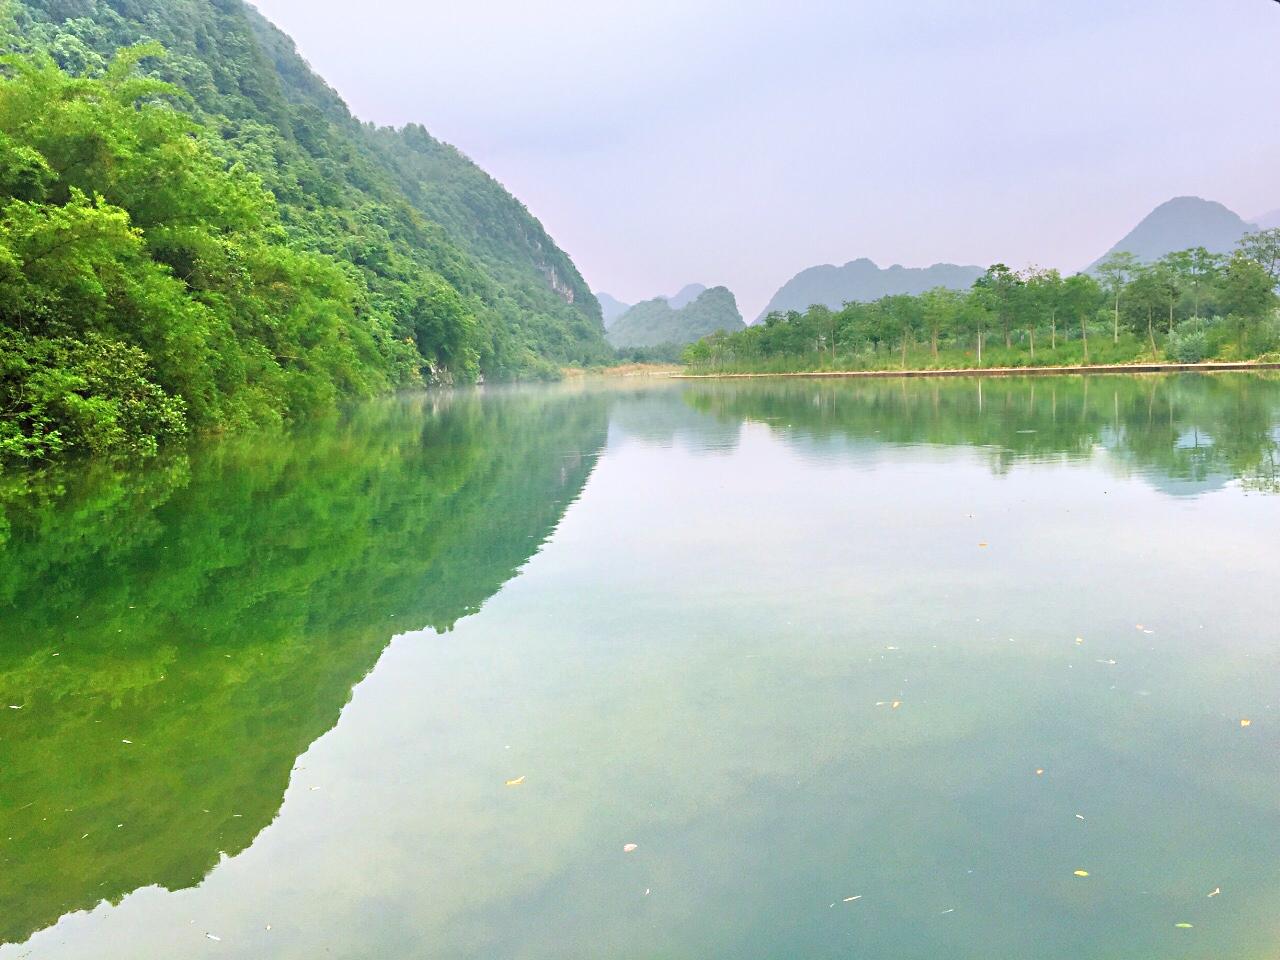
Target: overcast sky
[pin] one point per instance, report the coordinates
(739, 141)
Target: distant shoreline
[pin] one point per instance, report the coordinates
(1240, 366)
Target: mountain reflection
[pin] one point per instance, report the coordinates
(174, 638)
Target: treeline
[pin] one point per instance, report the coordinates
(199, 236)
(1190, 306)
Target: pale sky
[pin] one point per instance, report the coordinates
(740, 141)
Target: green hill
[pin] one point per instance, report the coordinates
(656, 323)
(203, 236)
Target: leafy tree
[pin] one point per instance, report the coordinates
(1116, 271)
(1263, 248)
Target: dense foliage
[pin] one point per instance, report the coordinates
(206, 219)
(1188, 306)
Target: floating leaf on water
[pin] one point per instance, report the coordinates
(1039, 771)
(1082, 873)
(1246, 723)
(982, 544)
(1185, 926)
(516, 782)
(896, 704)
(630, 848)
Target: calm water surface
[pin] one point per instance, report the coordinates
(406, 686)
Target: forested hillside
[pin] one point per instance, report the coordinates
(658, 322)
(195, 233)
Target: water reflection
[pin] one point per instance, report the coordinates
(173, 639)
(706, 662)
(1187, 434)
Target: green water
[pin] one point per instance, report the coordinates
(272, 691)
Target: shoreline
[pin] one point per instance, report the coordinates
(1244, 366)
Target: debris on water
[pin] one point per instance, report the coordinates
(313, 788)
(1079, 639)
(646, 891)
(1185, 926)
(895, 705)
(15, 706)
(1109, 663)
(1246, 723)
(1039, 771)
(1216, 892)
(130, 742)
(212, 937)
(945, 912)
(852, 899)
(630, 848)
(516, 782)
(1079, 816)
(982, 545)
(1082, 873)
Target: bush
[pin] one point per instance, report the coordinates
(94, 395)
(1188, 347)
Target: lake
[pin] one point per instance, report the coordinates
(876, 669)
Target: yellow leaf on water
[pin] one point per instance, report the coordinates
(1082, 873)
(1184, 926)
(896, 704)
(1040, 771)
(516, 782)
(1246, 723)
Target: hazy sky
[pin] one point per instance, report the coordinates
(739, 141)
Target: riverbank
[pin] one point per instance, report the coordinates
(1089, 369)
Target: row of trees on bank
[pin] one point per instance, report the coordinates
(1188, 306)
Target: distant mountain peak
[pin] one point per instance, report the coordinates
(611, 308)
(688, 294)
(1180, 224)
(1268, 221)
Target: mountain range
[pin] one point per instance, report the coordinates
(863, 280)
(677, 320)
